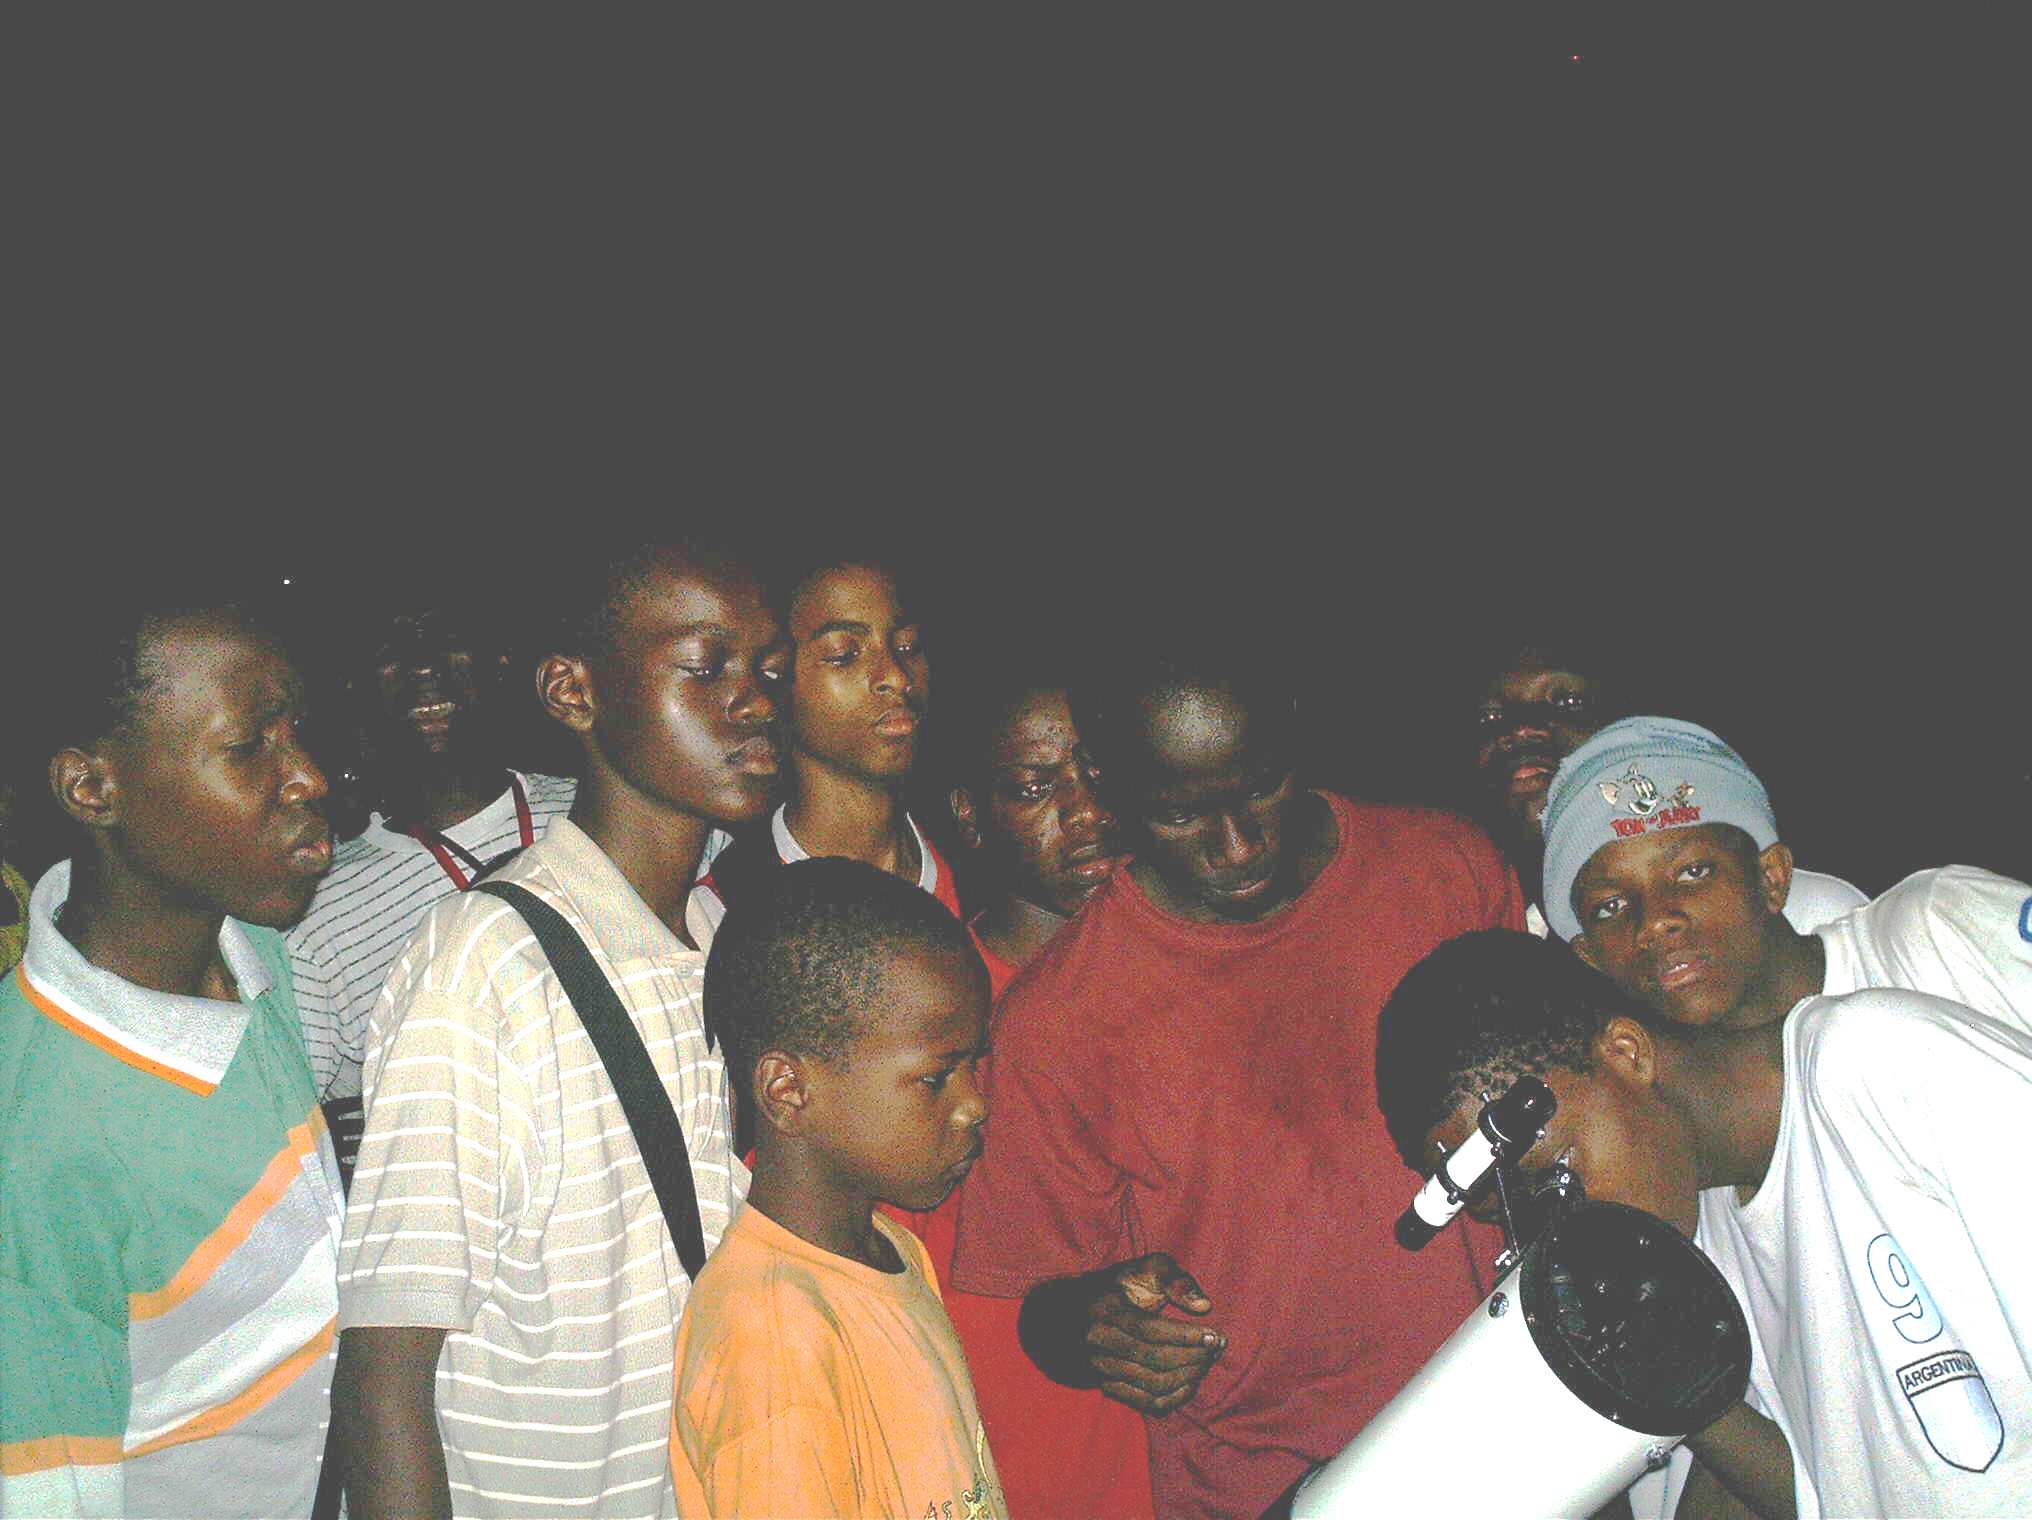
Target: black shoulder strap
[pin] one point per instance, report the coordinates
(643, 1097)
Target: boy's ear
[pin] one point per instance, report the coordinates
(961, 801)
(1774, 874)
(780, 1092)
(1579, 946)
(85, 787)
(565, 689)
(1628, 1051)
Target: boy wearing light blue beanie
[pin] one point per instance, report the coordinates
(1664, 867)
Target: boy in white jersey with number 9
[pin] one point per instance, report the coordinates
(1873, 1142)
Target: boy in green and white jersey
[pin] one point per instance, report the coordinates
(169, 1205)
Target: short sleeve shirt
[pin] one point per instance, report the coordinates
(169, 1222)
(376, 893)
(500, 1193)
(1209, 1090)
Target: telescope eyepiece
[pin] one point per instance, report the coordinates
(1514, 1121)
(1506, 1128)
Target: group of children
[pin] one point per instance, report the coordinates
(667, 1145)
(1832, 1116)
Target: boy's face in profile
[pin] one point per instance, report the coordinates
(1532, 716)
(1041, 815)
(862, 681)
(687, 695)
(1679, 919)
(215, 798)
(1618, 1139)
(900, 1118)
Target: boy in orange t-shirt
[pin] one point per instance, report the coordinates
(817, 1372)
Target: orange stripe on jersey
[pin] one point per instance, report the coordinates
(236, 1409)
(276, 1180)
(20, 1458)
(112, 1047)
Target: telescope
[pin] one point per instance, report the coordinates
(1607, 1340)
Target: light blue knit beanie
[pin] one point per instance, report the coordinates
(1642, 776)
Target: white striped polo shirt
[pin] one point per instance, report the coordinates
(500, 1194)
(376, 893)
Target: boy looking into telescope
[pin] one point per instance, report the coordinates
(1874, 1237)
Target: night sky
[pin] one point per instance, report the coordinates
(1705, 350)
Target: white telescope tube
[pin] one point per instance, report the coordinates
(1485, 1407)
(1587, 1364)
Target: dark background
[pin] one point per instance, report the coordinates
(1705, 348)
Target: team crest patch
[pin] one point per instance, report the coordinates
(1954, 1408)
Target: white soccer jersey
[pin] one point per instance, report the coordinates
(1959, 932)
(1882, 1260)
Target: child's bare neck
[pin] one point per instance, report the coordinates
(448, 798)
(834, 814)
(816, 1210)
(118, 927)
(1731, 1086)
(1016, 929)
(1795, 968)
(655, 846)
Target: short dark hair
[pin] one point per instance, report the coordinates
(107, 670)
(1477, 1013)
(1156, 666)
(1554, 648)
(594, 585)
(797, 963)
(973, 715)
(796, 575)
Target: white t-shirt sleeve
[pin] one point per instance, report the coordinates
(1979, 926)
(1942, 1093)
(1959, 932)
(1817, 898)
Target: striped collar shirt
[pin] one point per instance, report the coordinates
(500, 1194)
(169, 1231)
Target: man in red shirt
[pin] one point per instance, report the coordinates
(1184, 1090)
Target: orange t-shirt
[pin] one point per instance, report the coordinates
(1065, 1453)
(810, 1385)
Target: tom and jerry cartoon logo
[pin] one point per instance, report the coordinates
(1648, 807)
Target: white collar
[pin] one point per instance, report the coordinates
(189, 1041)
(788, 849)
(470, 832)
(585, 873)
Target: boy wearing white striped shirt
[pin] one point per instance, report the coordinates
(430, 689)
(508, 1285)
